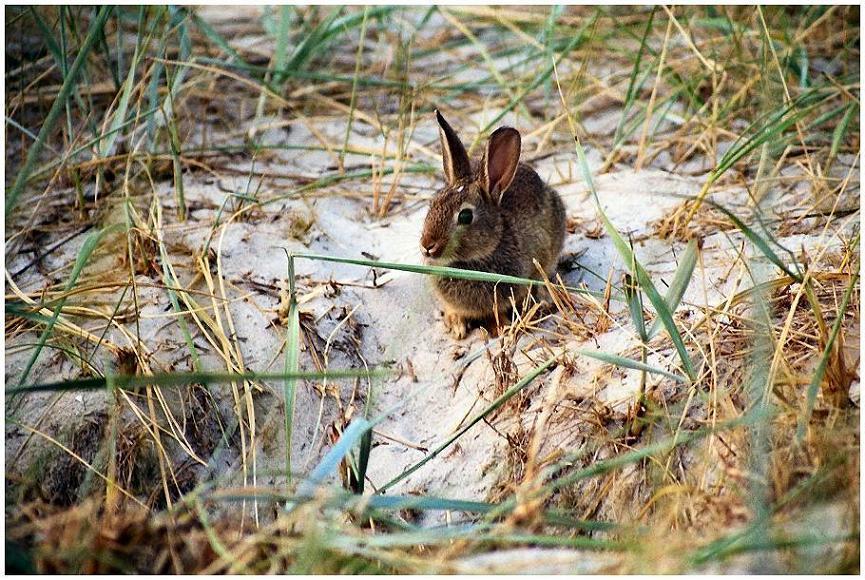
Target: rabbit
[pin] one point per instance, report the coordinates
(494, 214)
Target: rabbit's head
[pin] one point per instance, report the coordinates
(465, 221)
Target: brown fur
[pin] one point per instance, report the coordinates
(525, 222)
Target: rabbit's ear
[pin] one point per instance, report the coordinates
(454, 157)
(501, 160)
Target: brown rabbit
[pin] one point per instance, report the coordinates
(494, 214)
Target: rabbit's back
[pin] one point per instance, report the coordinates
(535, 213)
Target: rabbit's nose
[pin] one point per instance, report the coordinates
(431, 249)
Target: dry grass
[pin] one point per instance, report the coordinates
(192, 157)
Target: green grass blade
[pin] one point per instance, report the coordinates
(477, 535)
(506, 396)
(171, 282)
(755, 239)
(119, 117)
(802, 66)
(18, 309)
(338, 25)
(350, 501)
(359, 475)
(642, 276)
(659, 448)
(26, 131)
(633, 87)
(665, 316)
(635, 305)
(334, 456)
(620, 361)
(312, 75)
(292, 354)
(426, 503)
(338, 498)
(213, 35)
(50, 43)
(313, 41)
(502, 85)
(578, 38)
(56, 108)
(54, 163)
(820, 372)
(841, 129)
(74, 355)
(749, 541)
(102, 46)
(680, 283)
(547, 37)
(772, 131)
(180, 379)
(352, 103)
(84, 254)
(281, 52)
(212, 536)
(442, 271)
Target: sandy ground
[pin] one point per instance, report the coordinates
(359, 318)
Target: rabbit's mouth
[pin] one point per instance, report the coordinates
(440, 253)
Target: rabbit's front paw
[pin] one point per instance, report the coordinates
(456, 325)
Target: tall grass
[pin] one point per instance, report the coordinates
(743, 405)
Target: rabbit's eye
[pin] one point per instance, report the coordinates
(465, 217)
